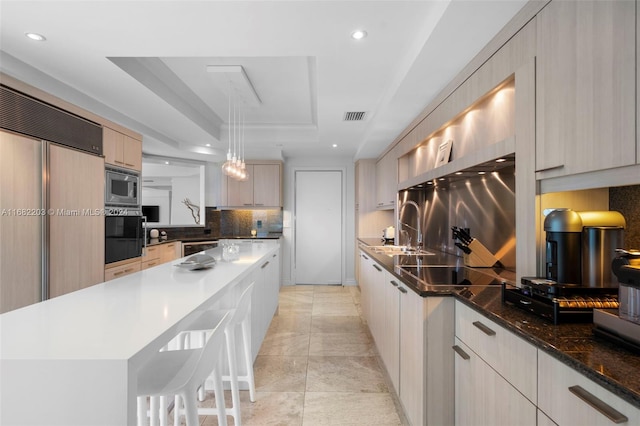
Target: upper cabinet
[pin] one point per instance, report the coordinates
(585, 87)
(121, 150)
(263, 188)
(387, 181)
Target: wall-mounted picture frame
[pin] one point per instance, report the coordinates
(444, 153)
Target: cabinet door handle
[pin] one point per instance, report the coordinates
(265, 265)
(258, 204)
(611, 413)
(402, 290)
(365, 257)
(376, 266)
(393, 283)
(486, 330)
(461, 352)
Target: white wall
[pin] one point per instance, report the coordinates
(328, 163)
(157, 197)
(185, 187)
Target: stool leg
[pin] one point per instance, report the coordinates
(176, 411)
(202, 338)
(163, 411)
(190, 408)
(248, 357)
(219, 394)
(142, 411)
(230, 334)
(153, 411)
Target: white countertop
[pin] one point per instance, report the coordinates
(105, 331)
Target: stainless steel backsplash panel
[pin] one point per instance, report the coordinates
(484, 204)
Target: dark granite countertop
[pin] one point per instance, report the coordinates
(611, 366)
(156, 241)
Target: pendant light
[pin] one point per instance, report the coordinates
(235, 166)
(227, 166)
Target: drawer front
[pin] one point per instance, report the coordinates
(508, 354)
(121, 271)
(146, 264)
(569, 398)
(152, 252)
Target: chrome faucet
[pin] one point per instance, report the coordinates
(419, 219)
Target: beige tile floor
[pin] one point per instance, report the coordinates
(318, 365)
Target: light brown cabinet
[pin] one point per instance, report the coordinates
(387, 181)
(121, 150)
(158, 254)
(121, 270)
(169, 251)
(585, 87)
(76, 229)
(262, 189)
(569, 398)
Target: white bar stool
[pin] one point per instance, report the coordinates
(240, 318)
(182, 372)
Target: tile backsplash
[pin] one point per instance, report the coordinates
(230, 223)
(626, 200)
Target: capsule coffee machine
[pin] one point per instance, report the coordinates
(578, 277)
(581, 245)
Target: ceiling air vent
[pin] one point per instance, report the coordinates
(354, 115)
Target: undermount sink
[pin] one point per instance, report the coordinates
(400, 250)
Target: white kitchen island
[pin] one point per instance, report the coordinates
(72, 360)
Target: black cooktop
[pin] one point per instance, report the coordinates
(453, 275)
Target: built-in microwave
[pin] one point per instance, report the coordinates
(121, 187)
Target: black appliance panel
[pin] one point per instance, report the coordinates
(124, 237)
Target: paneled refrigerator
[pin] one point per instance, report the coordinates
(51, 210)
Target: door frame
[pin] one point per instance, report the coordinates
(343, 217)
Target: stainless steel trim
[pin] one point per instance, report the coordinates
(461, 352)
(486, 330)
(144, 235)
(605, 409)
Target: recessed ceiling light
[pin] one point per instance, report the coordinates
(501, 160)
(208, 144)
(334, 145)
(166, 162)
(358, 34)
(35, 36)
(458, 173)
(482, 173)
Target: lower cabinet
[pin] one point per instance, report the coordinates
(264, 301)
(413, 335)
(483, 397)
(569, 398)
(121, 270)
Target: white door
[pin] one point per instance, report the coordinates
(318, 227)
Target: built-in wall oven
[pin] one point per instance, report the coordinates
(124, 233)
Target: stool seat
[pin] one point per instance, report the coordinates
(240, 319)
(182, 372)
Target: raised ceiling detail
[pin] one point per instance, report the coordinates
(234, 81)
